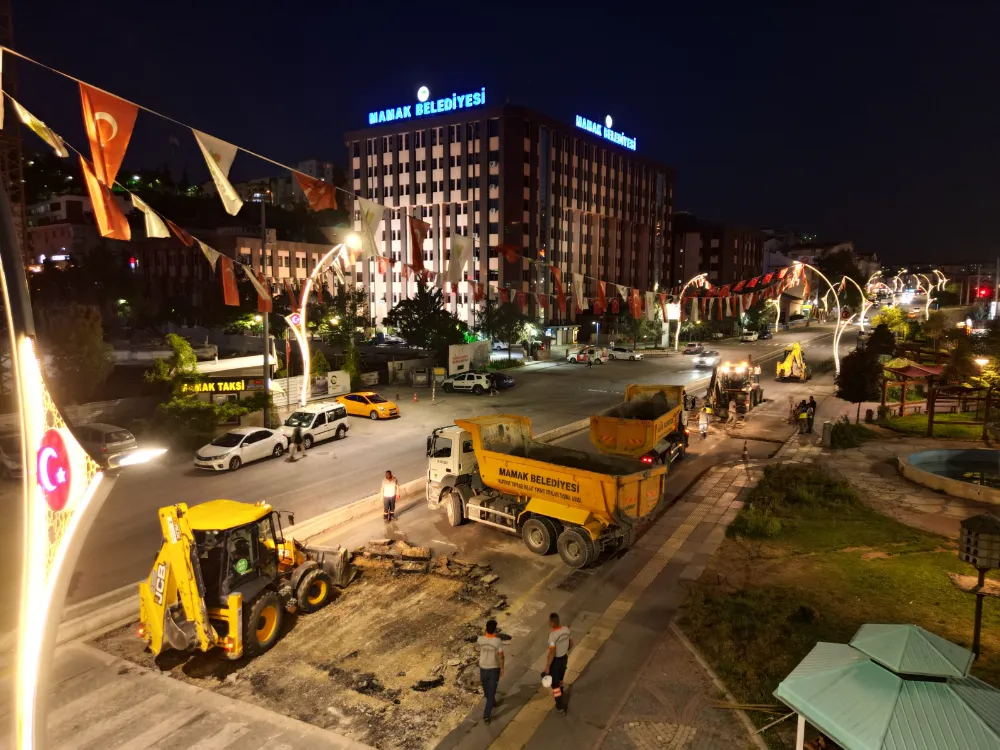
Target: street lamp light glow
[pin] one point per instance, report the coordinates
(981, 361)
(680, 299)
(840, 328)
(353, 241)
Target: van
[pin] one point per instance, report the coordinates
(318, 422)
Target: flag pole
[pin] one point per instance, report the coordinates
(267, 326)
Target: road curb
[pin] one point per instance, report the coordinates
(114, 608)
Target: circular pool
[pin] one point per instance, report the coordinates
(971, 474)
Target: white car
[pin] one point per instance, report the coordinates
(239, 446)
(500, 346)
(588, 353)
(749, 336)
(318, 422)
(707, 359)
(468, 382)
(620, 352)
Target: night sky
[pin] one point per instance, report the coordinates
(881, 127)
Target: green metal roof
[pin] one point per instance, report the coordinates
(911, 650)
(863, 705)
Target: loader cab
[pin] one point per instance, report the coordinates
(449, 452)
(240, 559)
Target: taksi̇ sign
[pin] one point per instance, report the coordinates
(216, 386)
(425, 106)
(605, 131)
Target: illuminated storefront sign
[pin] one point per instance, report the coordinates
(425, 106)
(605, 131)
(219, 385)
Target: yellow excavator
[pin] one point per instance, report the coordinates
(793, 365)
(224, 576)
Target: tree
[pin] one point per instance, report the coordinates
(81, 360)
(423, 321)
(882, 341)
(181, 365)
(894, 319)
(345, 316)
(504, 323)
(859, 379)
(935, 326)
(318, 364)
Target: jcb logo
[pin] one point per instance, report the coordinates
(160, 583)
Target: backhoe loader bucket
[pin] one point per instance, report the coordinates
(335, 562)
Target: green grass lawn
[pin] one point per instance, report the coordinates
(916, 424)
(806, 561)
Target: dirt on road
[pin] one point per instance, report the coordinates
(391, 663)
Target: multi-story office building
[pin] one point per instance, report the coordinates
(574, 194)
(726, 253)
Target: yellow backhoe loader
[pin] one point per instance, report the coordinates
(792, 366)
(224, 576)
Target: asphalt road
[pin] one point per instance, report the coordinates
(126, 536)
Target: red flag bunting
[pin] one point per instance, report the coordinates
(767, 278)
(110, 220)
(635, 303)
(264, 302)
(109, 122)
(183, 236)
(560, 291)
(782, 272)
(383, 264)
(320, 195)
(522, 301)
(503, 297)
(510, 252)
(614, 305)
(478, 291)
(292, 301)
(753, 282)
(230, 290)
(602, 298)
(542, 299)
(738, 286)
(418, 233)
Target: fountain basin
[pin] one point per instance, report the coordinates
(970, 474)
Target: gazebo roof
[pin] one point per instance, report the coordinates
(862, 705)
(917, 371)
(911, 650)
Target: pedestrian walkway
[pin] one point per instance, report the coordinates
(632, 682)
(99, 701)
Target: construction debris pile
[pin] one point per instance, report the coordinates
(392, 662)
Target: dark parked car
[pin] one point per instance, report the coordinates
(501, 380)
(765, 334)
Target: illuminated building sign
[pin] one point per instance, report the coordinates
(219, 385)
(425, 106)
(605, 131)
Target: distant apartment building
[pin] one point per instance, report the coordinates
(726, 253)
(60, 228)
(577, 195)
(281, 190)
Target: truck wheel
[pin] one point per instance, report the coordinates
(314, 590)
(537, 536)
(262, 624)
(453, 506)
(628, 538)
(555, 529)
(576, 548)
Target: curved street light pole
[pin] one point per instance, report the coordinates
(692, 280)
(836, 298)
(866, 305)
(928, 287)
(300, 331)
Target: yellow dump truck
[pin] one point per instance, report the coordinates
(490, 470)
(648, 425)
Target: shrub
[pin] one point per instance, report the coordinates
(755, 523)
(847, 435)
(504, 364)
(784, 485)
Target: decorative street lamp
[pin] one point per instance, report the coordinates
(866, 304)
(836, 298)
(693, 280)
(62, 490)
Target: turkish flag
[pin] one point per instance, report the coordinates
(614, 305)
(109, 122)
(110, 220)
(602, 298)
(230, 290)
(560, 291)
(319, 194)
(383, 263)
(183, 236)
(543, 299)
(264, 301)
(418, 233)
(503, 297)
(510, 252)
(522, 301)
(636, 304)
(738, 286)
(292, 302)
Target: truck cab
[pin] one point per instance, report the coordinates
(451, 460)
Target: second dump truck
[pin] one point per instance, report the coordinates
(648, 425)
(490, 470)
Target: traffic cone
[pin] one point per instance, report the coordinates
(414, 397)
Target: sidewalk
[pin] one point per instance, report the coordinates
(633, 681)
(100, 701)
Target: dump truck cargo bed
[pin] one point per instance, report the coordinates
(510, 461)
(635, 426)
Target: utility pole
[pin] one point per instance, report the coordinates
(267, 326)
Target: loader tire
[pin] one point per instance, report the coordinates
(538, 536)
(453, 508)
(262, 624)
(314, 590)
(576, 548)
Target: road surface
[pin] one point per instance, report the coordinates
(126, 535)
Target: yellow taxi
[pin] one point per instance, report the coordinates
(368, 404)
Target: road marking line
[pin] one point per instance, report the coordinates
(523, 726)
